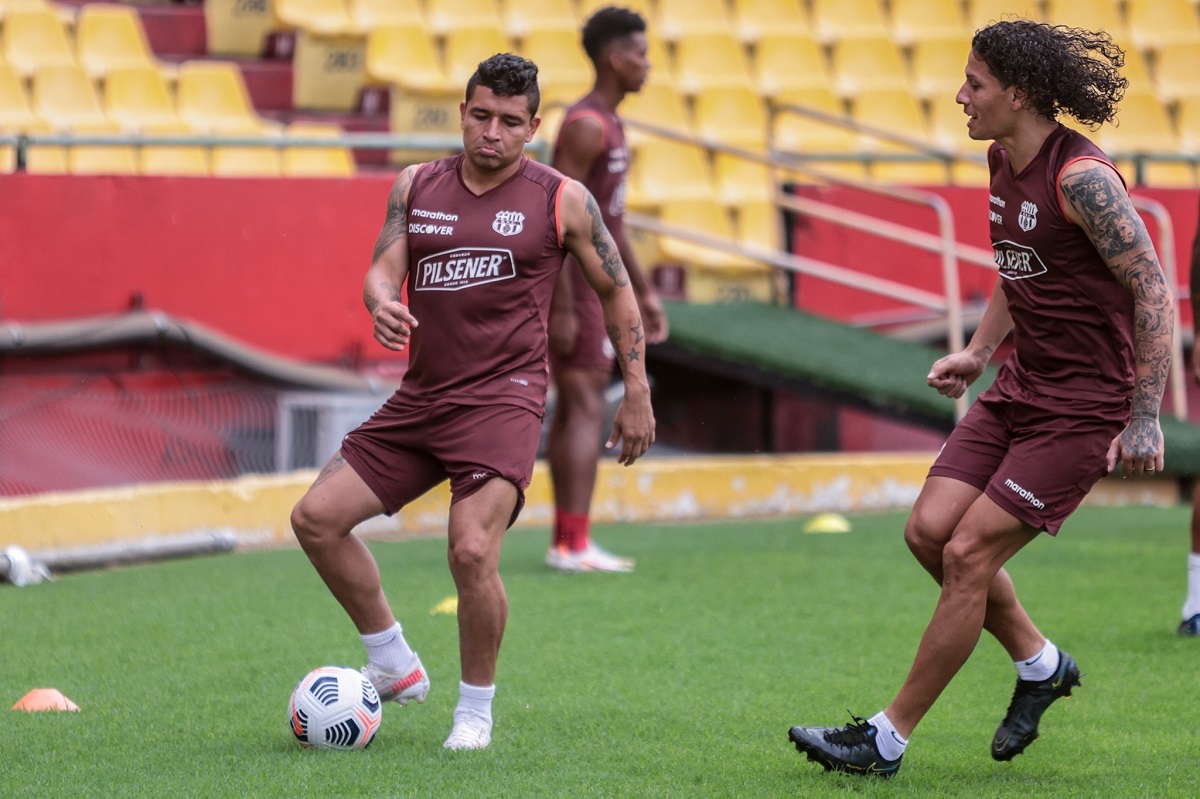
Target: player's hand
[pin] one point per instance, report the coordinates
(393, 325)
(633, 427)
(654, 319)
(563, 330)
(951, 375)
(1139, 448)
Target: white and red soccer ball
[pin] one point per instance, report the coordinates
(335, 707)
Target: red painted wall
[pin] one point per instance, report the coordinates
(881, 257)
(275, 263)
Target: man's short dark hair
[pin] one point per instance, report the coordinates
(607, 26)
(508, 75)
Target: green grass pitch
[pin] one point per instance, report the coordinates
(679, 680)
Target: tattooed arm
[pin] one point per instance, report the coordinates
(586, 237)
(1096, 200)
(389, 267)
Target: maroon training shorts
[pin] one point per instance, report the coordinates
(593, 350)
(404, 450)
(1035, 456)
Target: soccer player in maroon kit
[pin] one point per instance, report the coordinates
(477, 240)
(591, 148)
(1191, 603)
(1081, 287)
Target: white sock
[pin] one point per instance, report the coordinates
(1041, 666)
(475, 700)
(1192, 605)
(889, 743)
(389, 651)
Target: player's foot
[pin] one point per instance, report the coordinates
(399, 688)
(469, 732)
(1190, 626)
(851, 748)
(1030, 700)
(593, 559)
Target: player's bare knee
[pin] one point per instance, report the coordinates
(468, 556)
(924, 539)
(307, 526)
(964, 565)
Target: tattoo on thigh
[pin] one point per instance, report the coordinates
(335, 465)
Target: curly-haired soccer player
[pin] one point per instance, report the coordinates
(1081, 288)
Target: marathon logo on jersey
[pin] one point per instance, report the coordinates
(1027, 219)
(508, 223)
(454, 270)
(429, 227)
(1016, 261)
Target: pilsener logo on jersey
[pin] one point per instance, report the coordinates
(1016, 261)
(452, 270)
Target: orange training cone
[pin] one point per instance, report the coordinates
(44, 699)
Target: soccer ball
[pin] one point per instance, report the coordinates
(334, 707)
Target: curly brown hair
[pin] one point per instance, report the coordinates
(1058, 68)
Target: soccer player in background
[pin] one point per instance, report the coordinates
(478, 240)
(1093, 319)
(591, 149)
(1191, 603)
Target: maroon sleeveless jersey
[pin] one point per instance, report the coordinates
(606, 180)
(1073, 320)
(481, 271)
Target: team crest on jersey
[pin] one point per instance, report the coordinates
(508, 223)
(454, 270)
(1016, 261)
(1027, 219)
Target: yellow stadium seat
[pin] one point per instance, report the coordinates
(970, 173)
(446, 16)
(899, 113)
(300, 161)
(16, 114)
(315, 16)
(643, 7)
(706, 217)
(1104, 15)
(46, 159)
(101, 159)
(1137, 72)
(678, 19)
(559, 56)
(173, 159)
(656, 104)
(237, 27)
(212, 96)
(948, 124)
(1142, 123)
(139, 97)
(924, 20)
(107, 37)
(1178, 71)
(404, 55)
(838, 20)
(466, 47)
(245, 161)
(522, 17)
(64, 97)
(739, 180)
(800, 135)
(1187, 117)
(662, 170)
(756, 19)
(981, 13)
(8, 6)
(759, 224)
(864, 63)
(367, 15)
(734, 116)
(329, 70)
(34, 39)
(1154, 23)
(789, 62)
(938, 66)
(662, 64)
(710, 60)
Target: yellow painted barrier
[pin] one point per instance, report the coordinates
(256, 508)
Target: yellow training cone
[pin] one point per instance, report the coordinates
(44, 699)
(447, 607)
(827, 523)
